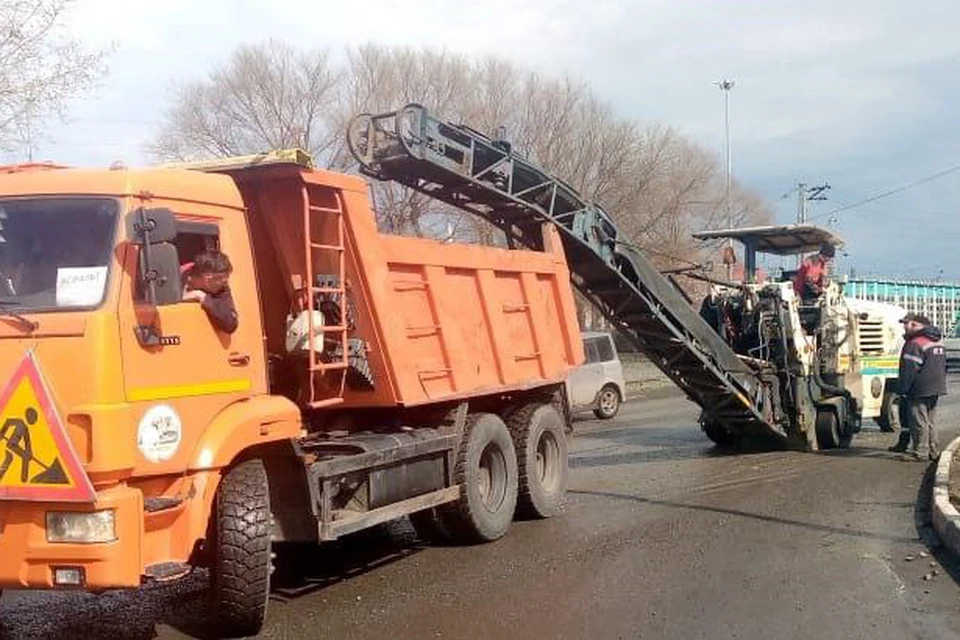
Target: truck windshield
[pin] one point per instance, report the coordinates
(54, 252)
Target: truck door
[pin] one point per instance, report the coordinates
(198, 370)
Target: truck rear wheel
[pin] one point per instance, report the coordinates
(486, 471)
(541, 443)
(240, 575)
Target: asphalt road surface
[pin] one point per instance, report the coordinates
(662, 537)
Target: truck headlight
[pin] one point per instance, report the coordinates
(78, 526)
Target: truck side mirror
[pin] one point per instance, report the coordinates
(159, 283)
(150, 226)
(152, 230)
(161, 273)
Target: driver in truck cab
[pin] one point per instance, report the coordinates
(810, 279)
(206, 283)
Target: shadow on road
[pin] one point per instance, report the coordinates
(659, 445)
(812, 526)
(592, 458)
(183, 605)
(306, 568)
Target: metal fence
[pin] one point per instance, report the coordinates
(936, 300)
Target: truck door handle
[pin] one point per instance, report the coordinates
(239, 359)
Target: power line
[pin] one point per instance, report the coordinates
(890, 192)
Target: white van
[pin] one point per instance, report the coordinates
(598, 384)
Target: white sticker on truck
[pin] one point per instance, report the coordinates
(159, 433)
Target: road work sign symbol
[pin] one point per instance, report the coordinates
(37, 461)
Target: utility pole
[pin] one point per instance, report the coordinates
(804, 195)
(801, 202)
(726, 86)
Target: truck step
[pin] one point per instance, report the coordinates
(326, 247)
(328, 402)
(167, 571)
(162, 503)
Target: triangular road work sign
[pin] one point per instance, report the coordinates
(37, 460)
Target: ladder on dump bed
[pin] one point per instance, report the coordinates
(314, 247)
(464, 168)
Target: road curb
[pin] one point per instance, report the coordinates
(946, 518)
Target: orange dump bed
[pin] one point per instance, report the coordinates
(438, 321)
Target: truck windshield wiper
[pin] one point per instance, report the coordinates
(6, 312)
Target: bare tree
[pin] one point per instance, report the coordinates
(41, 67)
(657, 184)
(266, 97)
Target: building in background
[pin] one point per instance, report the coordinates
(938, 301)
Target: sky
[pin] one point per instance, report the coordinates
(861, 95)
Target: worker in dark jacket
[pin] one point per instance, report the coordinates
(206, 283)
(922, 380)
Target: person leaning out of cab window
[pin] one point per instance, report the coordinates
(206, 283)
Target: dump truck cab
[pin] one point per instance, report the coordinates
(151, 396)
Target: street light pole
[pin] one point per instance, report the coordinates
(726, 86)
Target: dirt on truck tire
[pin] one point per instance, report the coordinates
(240, 572)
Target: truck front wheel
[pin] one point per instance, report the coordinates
(240, 575)
(486, 471)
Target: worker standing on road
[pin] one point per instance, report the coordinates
(922, 380)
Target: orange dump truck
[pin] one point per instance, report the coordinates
(370, 377)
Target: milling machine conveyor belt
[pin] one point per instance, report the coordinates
(464, 168)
